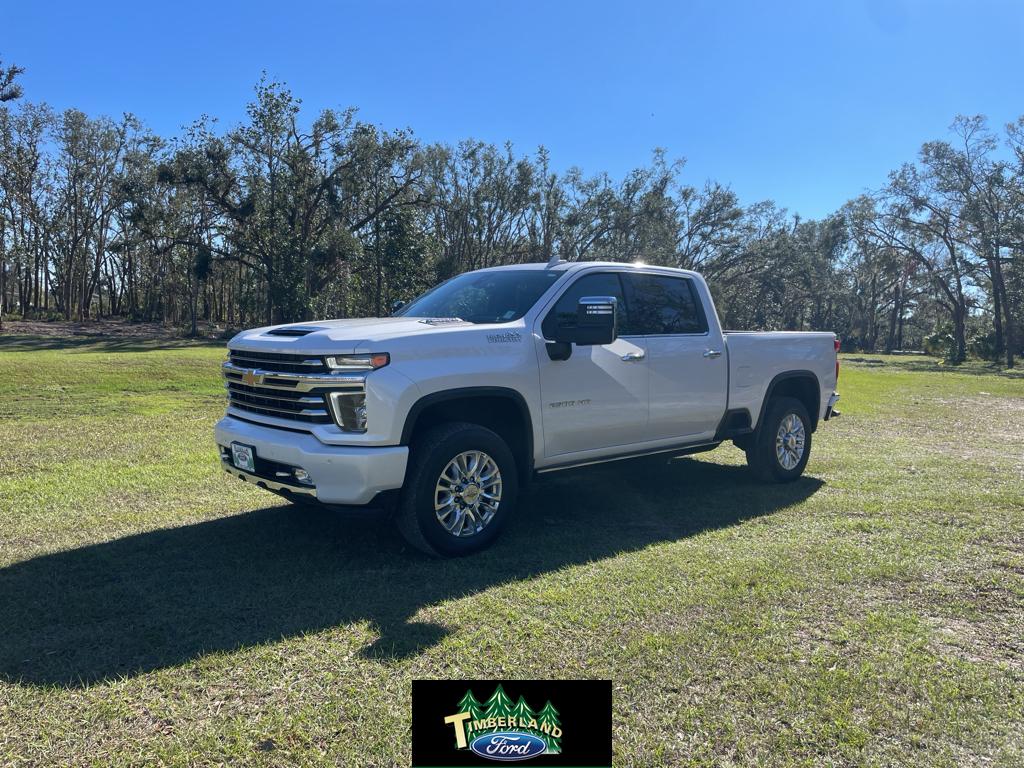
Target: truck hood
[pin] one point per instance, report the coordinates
(331, 337)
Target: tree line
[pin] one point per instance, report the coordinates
(287, 218)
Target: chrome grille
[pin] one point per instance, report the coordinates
(277, 362)
(256, 385)
(301, 406)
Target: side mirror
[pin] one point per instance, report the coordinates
(395, 306)
(596, 322)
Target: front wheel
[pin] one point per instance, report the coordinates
(460, 489)
(779, 450)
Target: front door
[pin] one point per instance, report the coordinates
(598, 397)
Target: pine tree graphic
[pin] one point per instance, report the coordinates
(499, 705)
(471, 705)
(549, 717)
(523, 712)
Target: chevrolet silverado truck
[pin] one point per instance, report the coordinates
(440, 414)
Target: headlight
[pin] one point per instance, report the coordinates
(349, 409)
(358, 362)
(349, 406)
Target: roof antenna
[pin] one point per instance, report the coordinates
(554, 261)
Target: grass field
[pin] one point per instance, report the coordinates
(152, 610)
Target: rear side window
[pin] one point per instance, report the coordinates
(661, 305)
(564, 311)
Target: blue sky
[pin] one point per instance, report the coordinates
(808, 103)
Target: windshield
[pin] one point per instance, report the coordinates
(484, 297)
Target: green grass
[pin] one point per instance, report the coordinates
(152, 610)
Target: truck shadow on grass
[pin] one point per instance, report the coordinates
(167, 597)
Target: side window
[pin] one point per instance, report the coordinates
(664, 305)
(564, 311)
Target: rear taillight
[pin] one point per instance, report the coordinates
(837, 359)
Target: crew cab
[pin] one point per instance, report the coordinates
(439, 414)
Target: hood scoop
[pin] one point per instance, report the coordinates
(293, 331)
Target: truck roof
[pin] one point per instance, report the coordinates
(566, 266)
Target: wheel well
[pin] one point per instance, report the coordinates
(503, 414)
(803, 386)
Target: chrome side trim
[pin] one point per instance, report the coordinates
(270, 485)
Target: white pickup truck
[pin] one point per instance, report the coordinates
(441, 413)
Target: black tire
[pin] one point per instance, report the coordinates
(761, 451)
(429, 456)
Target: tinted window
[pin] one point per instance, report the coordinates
(664, 305)
(484, 297)
(564, 311)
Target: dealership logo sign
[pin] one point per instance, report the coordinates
(500, 729)
(509, 745)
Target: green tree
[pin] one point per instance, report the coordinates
(9, 89)
(499, 705)
(522, 710)
(549, 716)
(470, 704)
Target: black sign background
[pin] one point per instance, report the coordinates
(584, 709)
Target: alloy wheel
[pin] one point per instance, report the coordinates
(467, 493)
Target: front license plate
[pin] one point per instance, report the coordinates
(243, 457)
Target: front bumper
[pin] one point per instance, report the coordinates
(342, 475)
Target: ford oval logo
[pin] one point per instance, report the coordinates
(507, 745)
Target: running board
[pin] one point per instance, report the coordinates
(683, 449)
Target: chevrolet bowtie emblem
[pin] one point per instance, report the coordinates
(252, 378)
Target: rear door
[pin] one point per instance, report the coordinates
(598, 397)
(687, 361)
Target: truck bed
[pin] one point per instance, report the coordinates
(757, 357)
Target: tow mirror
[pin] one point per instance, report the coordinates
(596, 324)
(596, 321)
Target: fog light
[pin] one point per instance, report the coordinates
(302, 476)
(349, 410)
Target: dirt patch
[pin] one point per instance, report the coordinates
(977, 642)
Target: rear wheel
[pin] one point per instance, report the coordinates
(781, 446)
(460, 489)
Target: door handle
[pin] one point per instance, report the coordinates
(632, 357)
(712, 353)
